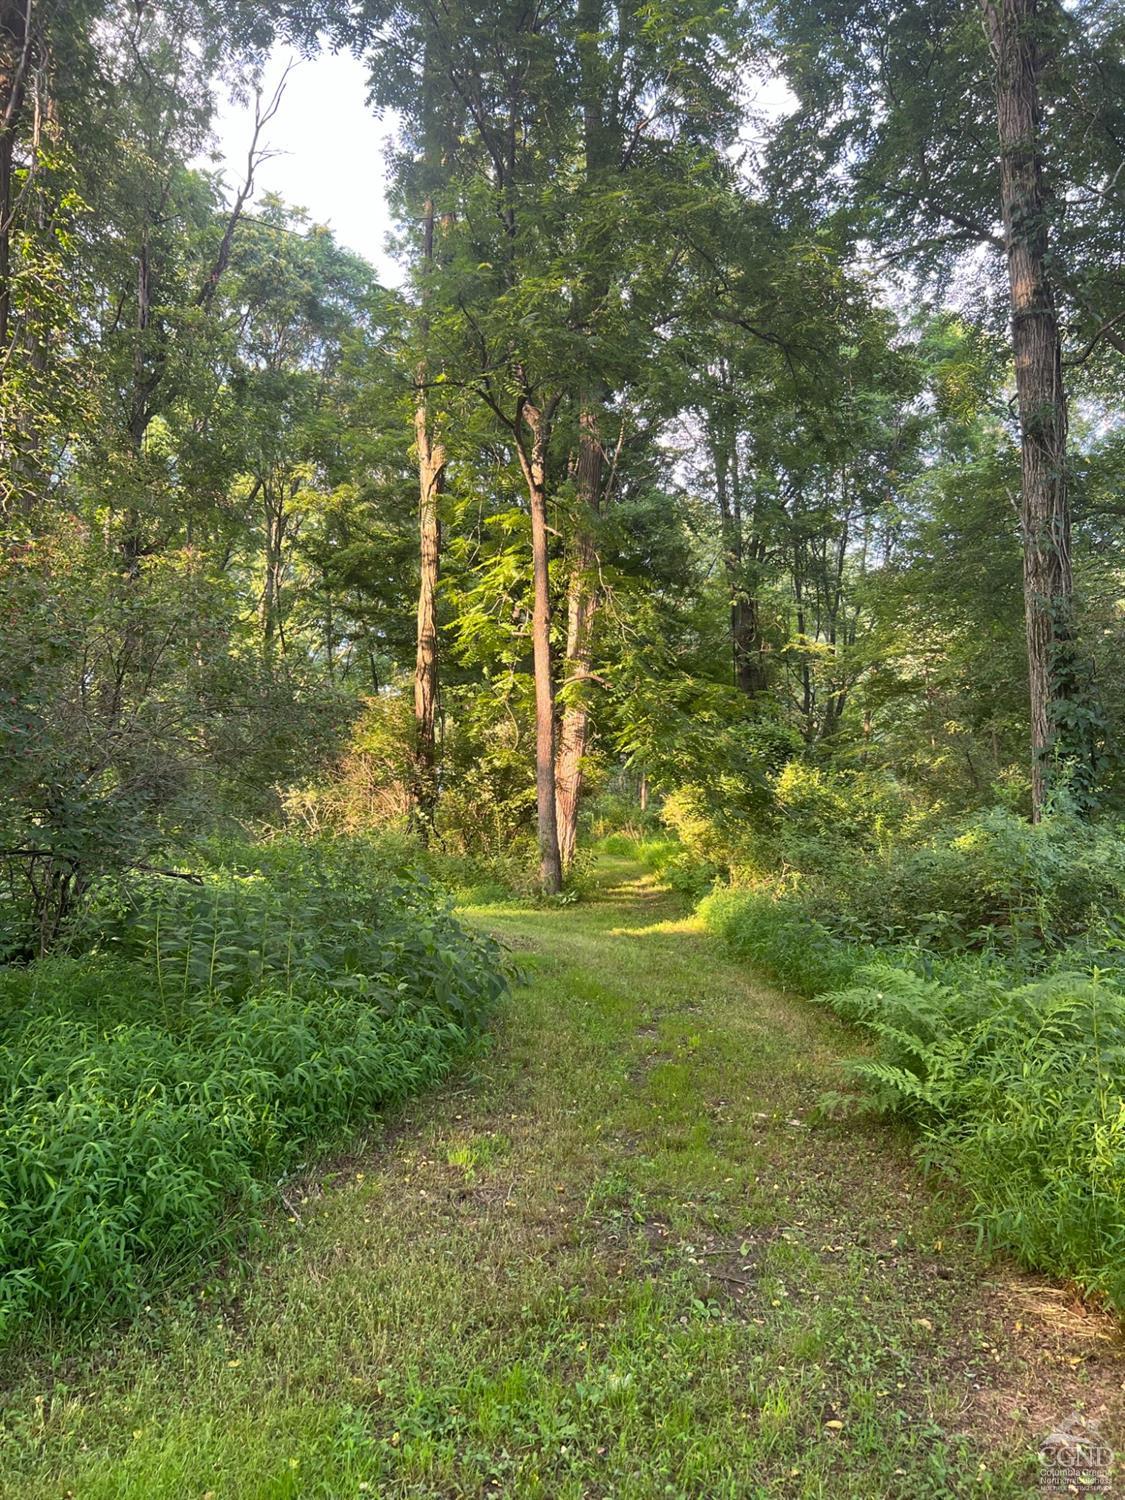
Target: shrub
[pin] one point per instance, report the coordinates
(350, 913)
(128, 708)
(990, 881)
(1019, 1094)
(612, 812)
(475, 876)
(369, 788)
(771, 929)
(820, 818)
(800, 818)
(716, 837)
(624, 845)
(150, 1091)
(483, 839)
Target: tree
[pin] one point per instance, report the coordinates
(906, 103)
(431, 478)
(1015, 36)
(534, 177)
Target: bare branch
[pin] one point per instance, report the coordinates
(255, 156)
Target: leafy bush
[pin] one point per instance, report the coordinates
(369, 785)
(128, 709)
(990, 881)
(354, 914)
(796, 818)
(482, 845)
(150, 1091)
(771, 929)
(478, 876)
(1019, 1094)
(624, 845)
(618, 811)
(820, 818)
(716, 838)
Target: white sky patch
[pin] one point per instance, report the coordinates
(765, 99)
(329, 151)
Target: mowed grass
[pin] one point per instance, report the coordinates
(620, 1255)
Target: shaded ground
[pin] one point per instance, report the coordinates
(620, 1256)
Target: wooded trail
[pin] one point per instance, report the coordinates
(623, 1254)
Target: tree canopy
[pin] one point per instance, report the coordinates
(693, 438)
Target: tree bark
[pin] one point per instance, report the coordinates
(16, 44)
(274, 525)
(1011, 27)
(533, 461)
(600, 91)
(582, 607)
(431, 485)
(26, 109)
(747, 654)
(431, 482)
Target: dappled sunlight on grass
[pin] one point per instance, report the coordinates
(669, 927)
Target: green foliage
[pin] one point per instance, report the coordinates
(989, 883)
(867, 864)
(98, 745)
(151, 1092)
(796, 818)
(1018, 1094)
(612, 811)
(819, 817)
(349, 913)
(772, 930)
(1015, 1087)
(664, 857)
(481, 845)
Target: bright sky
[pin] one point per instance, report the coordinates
(330, 151)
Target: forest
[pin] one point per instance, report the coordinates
(562, 838)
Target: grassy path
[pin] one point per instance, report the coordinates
(620, 1256)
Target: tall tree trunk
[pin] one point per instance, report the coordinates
(1012, 28)
(431, 477)
(16, 44)
(274, 524)
(602, 148)
(746, 635)
(807, 698)
(25, 107)
(745, 618)
(431, 484)
(582, 606)
(533, 460)
(7, 151)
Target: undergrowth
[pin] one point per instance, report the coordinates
(1015, 1088)
(202, 1040)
